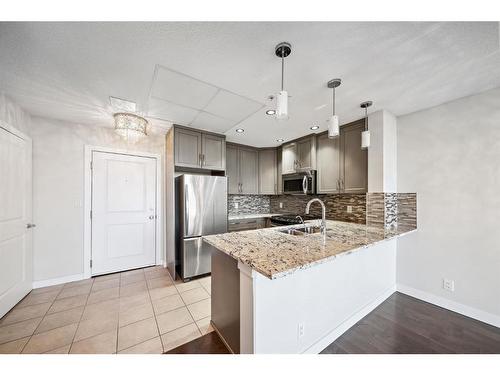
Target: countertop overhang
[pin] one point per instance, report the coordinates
(275, 254)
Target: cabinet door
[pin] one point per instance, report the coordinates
(267, 172)
(233, 169)
(306, 153)
(279, 174)
(249, 174)
(289, 158)
(353, 159)
(214, 152)
(187, 148)
(328, 162)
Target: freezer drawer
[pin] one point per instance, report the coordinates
(196, 256)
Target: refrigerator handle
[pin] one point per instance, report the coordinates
(186, 205)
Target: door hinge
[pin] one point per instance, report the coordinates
(91, 263)
(90, 214)
(91, 164)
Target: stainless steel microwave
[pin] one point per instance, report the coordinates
(300, 183)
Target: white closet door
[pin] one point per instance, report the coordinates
(123, 212)
(16, 257)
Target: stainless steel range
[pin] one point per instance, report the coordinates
(290, 219)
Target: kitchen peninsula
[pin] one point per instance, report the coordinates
(281, 290)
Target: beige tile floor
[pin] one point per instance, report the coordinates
(139, 311)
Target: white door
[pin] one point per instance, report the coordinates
(123, 212)
(16, 258)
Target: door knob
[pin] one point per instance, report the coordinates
(151, 217)
(29, 226)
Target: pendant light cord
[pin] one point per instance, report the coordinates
(333, 106)
(282, 66)
(366, 118)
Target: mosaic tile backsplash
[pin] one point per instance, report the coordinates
(248, 204)
(391, 210)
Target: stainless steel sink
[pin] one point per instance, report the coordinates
(301, 231)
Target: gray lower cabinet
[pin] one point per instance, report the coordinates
(342, 166)
(267, 172)
(196, 149)
(353, 159)
(242, 170)
(328, 163)
(238, 225)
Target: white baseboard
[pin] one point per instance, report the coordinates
(469, 311)
(348, 323)
(57, 280)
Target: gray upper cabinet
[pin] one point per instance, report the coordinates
(233, 169)
(187, 148)
(249, 177)
(353, 159)
(213, 152)
(195, 149)
(328, 163)
(299, 155)
(279, 174)
(289, 158)
(242, 170)
(267, 172)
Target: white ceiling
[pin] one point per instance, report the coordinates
(216, 75)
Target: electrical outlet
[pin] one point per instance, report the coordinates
(236, 205)
(349, 209)
(449, 285)
(300, 330)
(281, 204)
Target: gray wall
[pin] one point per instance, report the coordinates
(450, 155)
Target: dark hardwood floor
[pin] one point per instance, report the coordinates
(207, 344)
(400, 325)
(405, 325)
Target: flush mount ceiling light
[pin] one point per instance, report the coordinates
(280, 140)
(314, 127)
(333, 122)
(129, 126)
(282, 50)
(240, 130)
(270, 112)
(365, 135)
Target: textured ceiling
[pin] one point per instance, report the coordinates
(68, 71)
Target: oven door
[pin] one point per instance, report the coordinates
(300, 183)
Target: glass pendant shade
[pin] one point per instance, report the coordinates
(365, 139)
(333, 127)
(131, 127)
(282, 105)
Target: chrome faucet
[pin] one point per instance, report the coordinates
(301, 220)
(323, 215)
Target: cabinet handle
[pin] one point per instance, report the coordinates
(200, 160)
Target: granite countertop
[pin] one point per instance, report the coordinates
(275, 254)
(251, 216)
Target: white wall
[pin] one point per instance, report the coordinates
(58, 190)
(450, 156)
(382, 153)
(14, 115)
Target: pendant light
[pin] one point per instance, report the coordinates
(365, 135)
(333, 122)
(282, 50)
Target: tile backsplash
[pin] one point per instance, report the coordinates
(337, 206)
(248, 204)
(391, 210)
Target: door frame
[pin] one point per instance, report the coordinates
(87, 198)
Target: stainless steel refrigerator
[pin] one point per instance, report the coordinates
(201, 209)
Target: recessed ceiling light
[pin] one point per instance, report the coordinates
(239, 130)
(270, 112)
(280, 140)
(314, 127)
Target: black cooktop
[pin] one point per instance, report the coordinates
(290, 219)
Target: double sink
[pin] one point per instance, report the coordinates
(301, 231)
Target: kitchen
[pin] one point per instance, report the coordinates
(299, 192)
